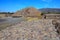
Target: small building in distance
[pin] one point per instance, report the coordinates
(28, 12)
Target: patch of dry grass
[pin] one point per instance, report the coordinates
(31, 19)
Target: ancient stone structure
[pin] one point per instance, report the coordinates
(28, 12)
(30, 30)
(52, 16)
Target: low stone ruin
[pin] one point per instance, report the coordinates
(57, 25)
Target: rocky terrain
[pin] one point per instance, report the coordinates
(41, 29)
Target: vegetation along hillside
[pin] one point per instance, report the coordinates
(50, 10)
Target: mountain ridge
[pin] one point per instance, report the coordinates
(52, 10)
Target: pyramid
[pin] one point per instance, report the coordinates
(28, 12)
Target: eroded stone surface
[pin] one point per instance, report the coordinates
(33, 30)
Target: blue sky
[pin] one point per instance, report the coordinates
(14, 5)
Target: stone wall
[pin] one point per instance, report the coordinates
(52, 16)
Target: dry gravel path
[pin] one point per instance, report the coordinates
(33, 30)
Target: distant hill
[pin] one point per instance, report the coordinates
(50, 10)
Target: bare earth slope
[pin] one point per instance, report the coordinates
(33, 30)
